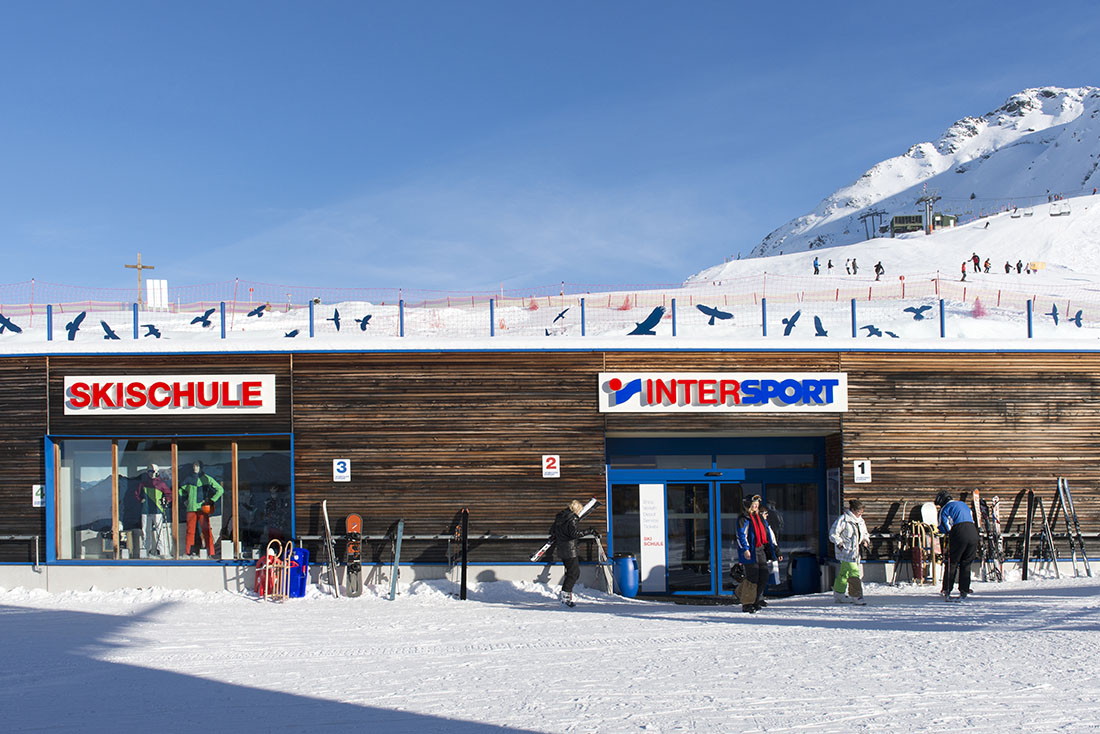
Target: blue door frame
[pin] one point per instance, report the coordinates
(723, 453)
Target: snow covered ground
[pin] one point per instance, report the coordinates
(1019, 656)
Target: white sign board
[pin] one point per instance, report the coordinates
(551, 466)
(722, 392)
(341, 470)
(651, 518)
(153, 394)
(862, 470)
(38, 495)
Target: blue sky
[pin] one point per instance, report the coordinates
(465, 145)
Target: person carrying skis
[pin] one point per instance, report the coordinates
(849, 535)
(755, 547)
(200, 494)
(565, 532)
(957, 523)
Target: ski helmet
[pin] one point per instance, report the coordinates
(942, 498)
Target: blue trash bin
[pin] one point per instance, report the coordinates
(805, 573)
(299, 573)
(626, 574)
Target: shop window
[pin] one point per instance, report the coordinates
(625, 519)
(792, 513)
(84, 490)
(158, 499)
(660, 461)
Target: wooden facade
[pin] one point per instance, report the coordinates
(430, 433)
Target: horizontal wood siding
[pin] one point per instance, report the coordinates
(170, 424)
(22, 429)
(998, 423)
(429, 434)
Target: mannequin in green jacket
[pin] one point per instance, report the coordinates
(199, 494)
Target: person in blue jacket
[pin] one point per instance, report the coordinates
(755, 547)
(957, 523)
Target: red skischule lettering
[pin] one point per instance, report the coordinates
(158, 402)
(78, 395)
(227, 400)
(179, 393)
(135, 395)
(250, 394)
(204, 400)
(100, 395)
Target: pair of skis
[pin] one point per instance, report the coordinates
(1073, 528)
(990, 549)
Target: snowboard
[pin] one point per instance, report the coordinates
(354, 533)
(541, 552)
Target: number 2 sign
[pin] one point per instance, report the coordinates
(551, 466)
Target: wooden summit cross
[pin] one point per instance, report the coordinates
(139, 267)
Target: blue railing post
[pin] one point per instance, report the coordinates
(223, 318)
(582, 317)
(943, 321)
(1030, 331)
(492, 326)
(674, 317)
(764, 315)
(135, 321)
(49, 322)
(401, 317)
(854, 330)
(311, 318)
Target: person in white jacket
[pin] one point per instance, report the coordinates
(849, 534)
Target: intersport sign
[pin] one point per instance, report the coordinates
(730, 392)
(175, 394)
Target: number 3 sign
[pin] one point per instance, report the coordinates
(551, 466)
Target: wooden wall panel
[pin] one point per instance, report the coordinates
(429, 434)
(22, 428)
(1000, 423)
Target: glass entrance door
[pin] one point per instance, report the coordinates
(688, 542)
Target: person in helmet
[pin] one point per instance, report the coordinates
(200, 494)
(566, 531)
(957, 523)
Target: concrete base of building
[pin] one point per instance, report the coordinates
(238, 579)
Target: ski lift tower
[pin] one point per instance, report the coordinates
(929, 199)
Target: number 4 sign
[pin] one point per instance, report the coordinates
(862, 471)
(551, 466)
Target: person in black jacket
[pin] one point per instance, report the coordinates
(566, 531)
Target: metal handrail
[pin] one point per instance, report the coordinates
(27, 537)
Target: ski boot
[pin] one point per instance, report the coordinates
(841, 598)
(567, 599)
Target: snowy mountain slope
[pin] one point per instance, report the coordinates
(1040, 142)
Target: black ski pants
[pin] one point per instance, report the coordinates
(572, 573)
(756, 572)
(962, 549)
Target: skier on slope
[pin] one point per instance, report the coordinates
(755, 547)
(849, 534)
(817, 266)
(957, 523)
(565, 533)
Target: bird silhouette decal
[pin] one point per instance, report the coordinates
(152, 330)
(363, 322)
(560, 316)
(1075, 320)
(645, 328)
(1053, 313)
(203, 320)
(547, 332)
(258, 312)
(291, 334)
(714, 313)
(917, 311)
(790, 321)
(335, 318)
(871, 330)
(5, 323)
(819, 328)
(108, 332)
(892, 334)
(74, 326)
